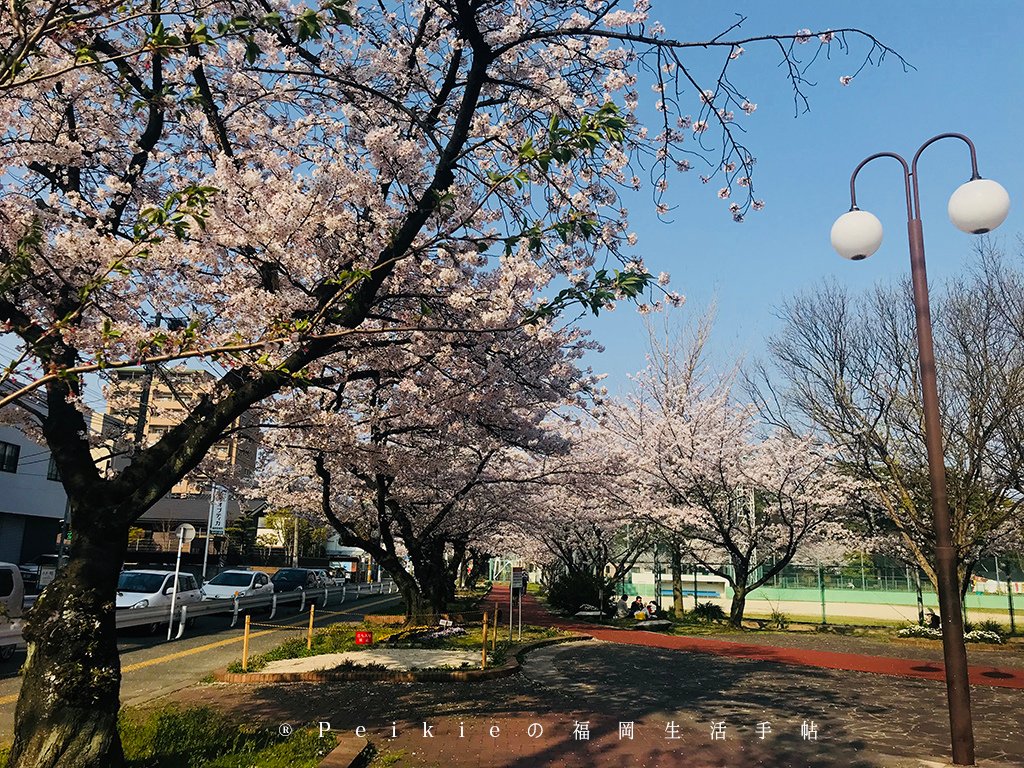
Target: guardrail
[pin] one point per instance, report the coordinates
(279, 601)
(10, 634)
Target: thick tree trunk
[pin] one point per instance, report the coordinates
(677, 582)
(67, 711)
(739, 603)
(418, 611)
(423, 604)
(435, 579)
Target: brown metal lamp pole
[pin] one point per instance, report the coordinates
(978, 206)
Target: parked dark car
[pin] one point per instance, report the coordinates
(291, 579)
(30, 571)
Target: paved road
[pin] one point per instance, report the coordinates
(152, 667)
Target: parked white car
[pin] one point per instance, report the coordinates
(12, 595)
(152, 589)
(237, 582)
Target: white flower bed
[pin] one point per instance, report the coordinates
(977, 636)
(983, 636)
(916, 630)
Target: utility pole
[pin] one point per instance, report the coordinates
(149, 369)
(295, 544)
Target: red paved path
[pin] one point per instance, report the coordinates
(535, 613)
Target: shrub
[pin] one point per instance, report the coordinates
(968, 627)
(779, 620)
(708, 612)
(990, 625)
(569, 591)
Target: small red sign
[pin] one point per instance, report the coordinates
(364, 638)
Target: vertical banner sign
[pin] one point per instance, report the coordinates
(219, 511)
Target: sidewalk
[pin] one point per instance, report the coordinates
(535, 613)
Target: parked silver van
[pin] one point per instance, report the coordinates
(12, 597)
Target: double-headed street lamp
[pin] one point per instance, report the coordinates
(978, 206)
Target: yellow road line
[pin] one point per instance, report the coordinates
(190, 651)
(198, 649)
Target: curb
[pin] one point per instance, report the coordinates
(510, 667)
(352, 751)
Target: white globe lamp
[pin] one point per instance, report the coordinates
(856, 235)
(979, 206)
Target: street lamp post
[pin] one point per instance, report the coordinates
(978, 206)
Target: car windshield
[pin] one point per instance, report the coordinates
(147, 583)
(290, 574)
(232, 579)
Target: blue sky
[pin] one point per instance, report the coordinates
(968, 78)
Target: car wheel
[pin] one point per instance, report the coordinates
(7, 652)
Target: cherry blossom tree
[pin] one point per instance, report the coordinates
(742, 503)
(588, 514)
(417, 449)
(275, 177)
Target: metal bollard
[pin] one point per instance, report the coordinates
(273, 607)
(344, 591)
(302, 606)
(234, 612)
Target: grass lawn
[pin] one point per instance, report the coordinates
(202, 737)
(339, 638)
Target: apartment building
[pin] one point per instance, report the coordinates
(32, 500)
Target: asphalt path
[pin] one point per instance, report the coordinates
(152, 667)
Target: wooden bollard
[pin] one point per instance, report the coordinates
(245, 645)
(483, 645)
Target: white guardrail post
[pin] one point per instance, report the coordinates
(181, 622)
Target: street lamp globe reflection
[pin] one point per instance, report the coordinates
(979, 206)
(856, 235)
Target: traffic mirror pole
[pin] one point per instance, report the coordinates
(209, 524)
(174, 588)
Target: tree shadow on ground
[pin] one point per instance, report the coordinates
(858, 715)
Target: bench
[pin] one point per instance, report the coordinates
(653, 625)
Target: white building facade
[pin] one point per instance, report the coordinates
(32, 500)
